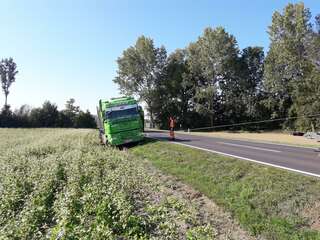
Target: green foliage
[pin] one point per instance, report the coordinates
(8, 71)
(288, 69)
(84, 120)
(207, 102)
(207, 81)
(212, 82)
(216, 53)
(174, 92)
(140, 68)
(68, 115)
(252, 89)
(47, 116)
(200, 233)
(307, 101)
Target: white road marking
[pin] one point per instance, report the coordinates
(251, 160)
(251, 140)
(243, 158)
(251, 147)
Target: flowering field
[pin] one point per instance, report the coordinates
(61, 184)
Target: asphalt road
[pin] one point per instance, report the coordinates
(298, 159)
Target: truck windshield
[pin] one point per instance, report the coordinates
(122, 113)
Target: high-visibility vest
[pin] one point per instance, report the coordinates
(171, 124)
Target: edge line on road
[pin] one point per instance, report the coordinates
(250, 147)
(242, 158)
(253, 141)
(244, 140)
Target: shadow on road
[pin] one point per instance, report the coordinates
(161, 138)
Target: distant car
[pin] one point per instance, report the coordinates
(298, 133)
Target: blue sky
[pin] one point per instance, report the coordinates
(66, 48)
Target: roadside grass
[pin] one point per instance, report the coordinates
(62, 184)
(272, 137)
(269, 202)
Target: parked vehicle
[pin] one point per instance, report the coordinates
(120, 121)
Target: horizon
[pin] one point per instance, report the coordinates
(65, 50)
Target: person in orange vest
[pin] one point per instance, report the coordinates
(172, 124)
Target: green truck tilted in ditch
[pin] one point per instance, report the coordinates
(120, 121)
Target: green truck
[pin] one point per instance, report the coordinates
(120, 121)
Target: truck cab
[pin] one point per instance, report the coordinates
(120, 121)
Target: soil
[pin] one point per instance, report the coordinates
(313, 213)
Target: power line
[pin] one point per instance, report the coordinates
(254, 122)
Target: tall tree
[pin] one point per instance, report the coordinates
(68, 115)
(140, 69)
(175, 91)
(252, 91)
(213, 63)
(287, 65)
(313, 45)
(71, 107)
(8, 71)
(307, 97)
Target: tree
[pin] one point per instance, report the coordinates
(64, 120)
(286, 65)
(22, 116)
(46, 116)
(313, 45)
(252, 90)
(68, 115)
(70, 106)
(6, 117)
(307, 102)
(174, 92)
(213, 61)
(207, 101)
(8, 71)
(85, 120)
(24, 110)
(140, 69)
(307, 97)
(212, 82)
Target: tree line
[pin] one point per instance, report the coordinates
(212, 82)
(47, 115)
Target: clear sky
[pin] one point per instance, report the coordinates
(68, 48)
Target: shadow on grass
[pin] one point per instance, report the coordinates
(136, 144)
(148, 140)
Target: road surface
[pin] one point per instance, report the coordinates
(299, 159)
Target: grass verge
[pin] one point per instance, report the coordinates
(269, 202)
